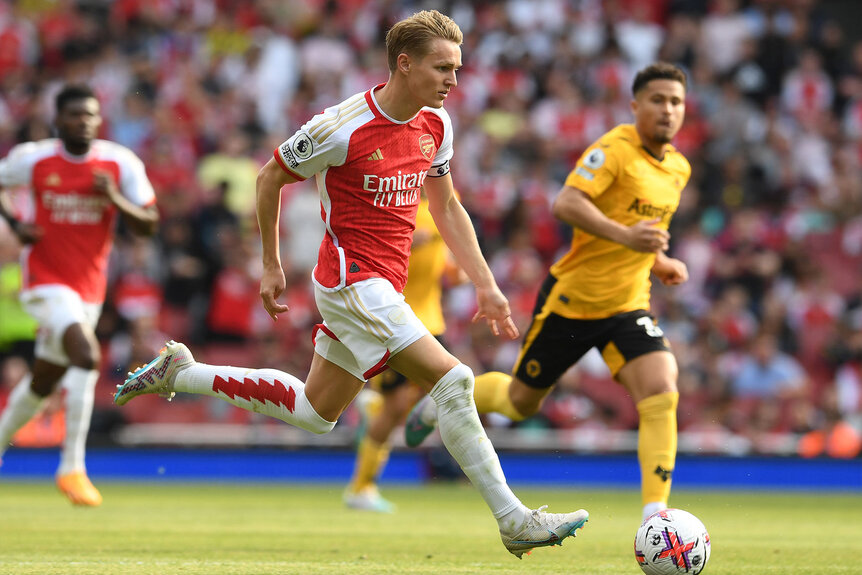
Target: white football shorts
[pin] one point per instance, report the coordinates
(55, 307)
(364, 324)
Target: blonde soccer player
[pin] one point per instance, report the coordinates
(371, 155)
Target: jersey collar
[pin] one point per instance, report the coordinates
(64, 153)
(378, 111)
(639, 144)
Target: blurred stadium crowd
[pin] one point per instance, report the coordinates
(768, 331)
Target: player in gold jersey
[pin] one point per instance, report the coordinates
(619, 199)
(393, 394)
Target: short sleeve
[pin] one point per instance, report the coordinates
(313, 148)
(16, 169)
(440, 164)
(596, 169)
(134, 183)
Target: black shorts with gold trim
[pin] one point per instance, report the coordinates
(391, 379)
(555, 343)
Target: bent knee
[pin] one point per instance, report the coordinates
(455, 385)
(526, 400)
(651, 388)
(85, 357)
(462, 377)
(526, 408)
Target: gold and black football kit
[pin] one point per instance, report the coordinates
(597, 294)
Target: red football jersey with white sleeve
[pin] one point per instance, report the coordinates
(77, 220)
(369, 170)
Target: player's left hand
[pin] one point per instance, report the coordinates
(272, 285)
(494, 307)
(670, 271)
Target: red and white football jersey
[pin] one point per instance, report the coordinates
(78, 221)
(369, 169)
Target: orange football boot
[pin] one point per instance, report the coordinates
(77, 487)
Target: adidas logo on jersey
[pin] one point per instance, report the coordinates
(377, 155)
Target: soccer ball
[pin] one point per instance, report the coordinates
(672, 541)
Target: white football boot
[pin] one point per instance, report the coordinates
(368, 499)
(541, 529)
(157, 376)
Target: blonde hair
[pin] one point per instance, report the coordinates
(413, 35)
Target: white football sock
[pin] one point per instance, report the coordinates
(653, 507)
(20, 408)
(267, 391)
(80, 385)
(465, 438)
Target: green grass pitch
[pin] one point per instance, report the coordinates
(259, 529)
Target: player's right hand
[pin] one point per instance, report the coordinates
(645, 236)
(272, 285)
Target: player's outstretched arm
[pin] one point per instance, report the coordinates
(270, 180)
(457, 231)
(577, 209)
